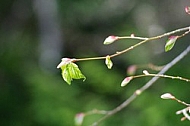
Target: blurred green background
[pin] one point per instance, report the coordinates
(36, 34)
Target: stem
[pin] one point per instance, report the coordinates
(143, 88)
(95, 111)
(129, 37)
(161, 75)
(182, 102)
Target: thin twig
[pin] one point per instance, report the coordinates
(161, 75)
(138, 44)
(181, 102)
(143, 88)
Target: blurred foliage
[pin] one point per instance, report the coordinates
(31, 95)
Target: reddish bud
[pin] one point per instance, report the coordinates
(170, 43)
(131, 70)
(79, 118)
(65, 61)
(126, 81)
(110, 39)
(187, 10)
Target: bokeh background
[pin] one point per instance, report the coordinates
(36, 34)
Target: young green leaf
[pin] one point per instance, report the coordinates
(70, 70)
(75, 72)
(108, 62)
(170, 43)
(65, 74)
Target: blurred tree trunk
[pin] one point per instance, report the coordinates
(50, 46)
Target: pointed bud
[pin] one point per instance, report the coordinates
(183, 118)
(132, 35)
(65, 61)
(187, 10)
(79, 119)
(145, 72)
(167, 96)
(126, 81)
(170, 43)
(110, 39)
(138, 92)
(131, 70)
(108, 62)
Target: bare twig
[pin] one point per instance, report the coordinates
(161, 75)
(187, 29)
(148, 84)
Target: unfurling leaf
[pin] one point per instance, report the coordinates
(108, 62)
(170, 43)
(70, 70)
(110, 39)
(126, 81)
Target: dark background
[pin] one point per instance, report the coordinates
(36, 34)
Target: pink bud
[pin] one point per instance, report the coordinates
(170, 43)
(126, 81)
(173, 37)
(110, 39)
(65, 61)
(187, 10)
(79, 118)
(131, 69)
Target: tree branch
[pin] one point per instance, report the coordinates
(146, 86)
(187, 29)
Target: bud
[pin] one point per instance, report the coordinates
(183, 118)
(108, 62)
(145, 72)
(110, 39)
(132, 35)
(187, 10)
(138, 92)
(167, 96)
(126, 81)
(170, 43)
(131, 70)
(79, 119)
(65, 61)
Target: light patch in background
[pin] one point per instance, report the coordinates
(50, 45)
(157, 46)
(144, 16)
